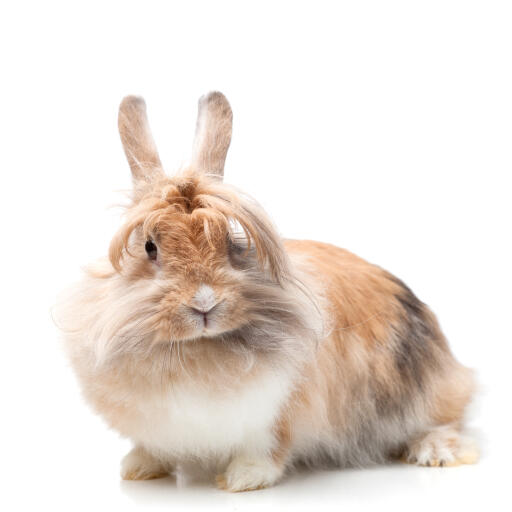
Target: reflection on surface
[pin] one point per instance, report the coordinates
(378, 486)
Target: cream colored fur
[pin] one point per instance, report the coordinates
(208, 340)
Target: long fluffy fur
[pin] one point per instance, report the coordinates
(310, 354)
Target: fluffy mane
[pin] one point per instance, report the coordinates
(120, 316)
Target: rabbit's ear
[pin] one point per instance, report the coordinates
(213, 134)
(137, 140)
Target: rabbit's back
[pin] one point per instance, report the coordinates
(384, 369)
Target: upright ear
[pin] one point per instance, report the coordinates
(213, 134)
(137, 140)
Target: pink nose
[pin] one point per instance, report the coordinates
(203, 302)
(201, 311)
(204, 299)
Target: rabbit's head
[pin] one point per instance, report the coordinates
(194, 257)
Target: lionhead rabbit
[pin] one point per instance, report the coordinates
(207, 339)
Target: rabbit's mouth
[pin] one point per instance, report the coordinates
(208, 321)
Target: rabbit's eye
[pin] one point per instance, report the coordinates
(151, 249)
(235, 247)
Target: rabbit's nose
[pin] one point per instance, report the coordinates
(204, 300)
(201, 311)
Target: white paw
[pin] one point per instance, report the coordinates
(140, 465)
(443, 446)
(247, 474)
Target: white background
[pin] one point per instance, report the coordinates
(382, 127)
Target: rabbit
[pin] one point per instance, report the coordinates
(208, 340)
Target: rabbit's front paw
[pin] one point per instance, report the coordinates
(249, 474)
(140, 465)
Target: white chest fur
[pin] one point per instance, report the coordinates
(190, 421)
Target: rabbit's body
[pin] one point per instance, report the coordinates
(245, 354)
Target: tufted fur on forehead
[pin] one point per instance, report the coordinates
(192, 207)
